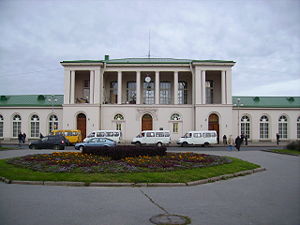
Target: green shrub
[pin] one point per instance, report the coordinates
(121, 152)
(295, 145)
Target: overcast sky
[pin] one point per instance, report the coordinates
(262, 37)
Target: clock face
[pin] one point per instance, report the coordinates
(147, 79)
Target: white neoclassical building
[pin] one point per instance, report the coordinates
(135, 94)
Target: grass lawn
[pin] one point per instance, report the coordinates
(178, 176)
(286, 151)
(6, 148)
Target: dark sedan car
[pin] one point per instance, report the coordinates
(50, 142)
(95, 143)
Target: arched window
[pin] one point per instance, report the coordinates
(264, 127)
(175, 116)
(53, 123)
(282, 127)
(118, 118)
(1, 125)
(175, 126)
(298, 128)
(16, 125)
(35, 126)
(245, 126)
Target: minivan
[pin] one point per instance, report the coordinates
(115, 135)
(74, 136)
(204, 138)
(152, 137)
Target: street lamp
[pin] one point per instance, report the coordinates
(238, 104)
(53, 100)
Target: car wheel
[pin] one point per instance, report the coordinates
(56, 147)
(81, 148)
(138, 144)
(159, 144)
(184, 144)
(32, 147)
(206, 144)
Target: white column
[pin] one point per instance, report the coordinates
(67, 86)
(92, 86)
(228, 86)
(197, 86)
(223, 87)
(138, 87)
(175, 87)
(203, 86)
(72, 88)
(119, 87)
(97, 87)
(156, 87)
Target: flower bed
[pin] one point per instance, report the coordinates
(88, 163)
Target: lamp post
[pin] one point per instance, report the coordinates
(53, 100)
(238, 104)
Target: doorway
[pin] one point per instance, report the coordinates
(213, 123)
(147, 122)
(81, 124)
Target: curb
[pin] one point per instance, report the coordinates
(100, 184)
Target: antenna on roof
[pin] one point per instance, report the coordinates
(149, 45)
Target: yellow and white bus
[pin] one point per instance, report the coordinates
(73, 136)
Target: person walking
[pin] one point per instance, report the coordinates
(277, 138)
(20, 138)
(224, 140)
(238, 142)
(23, 137)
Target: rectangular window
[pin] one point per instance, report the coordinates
(298, 130)
(245, 129)
(182, 92)
(282, 130)
(16, 128)
(150, 134)
(113, 94)
(118, 127)
(175, 127)
(149, 93)
(209, 85)
(35, 129)
(264, 131)
(165, 93)
(160, 134)
(1, 129)
(131, 92)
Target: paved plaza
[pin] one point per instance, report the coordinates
(269, 197)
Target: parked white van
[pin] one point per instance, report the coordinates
(204, 138)
(115, 135)
(152, 137)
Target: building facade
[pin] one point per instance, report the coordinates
(135, 94)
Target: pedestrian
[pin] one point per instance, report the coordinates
(224, 140)
(238, 142)
(246, 140)
(41, 136)
(242, 138)
(20, 138)
(230, 143)
(277, 138)
(23, 137)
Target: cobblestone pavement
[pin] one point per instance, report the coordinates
(269, 197)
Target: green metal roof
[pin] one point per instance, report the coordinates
(148, 61)
(31, 100)
(245, 101)
(267, 101)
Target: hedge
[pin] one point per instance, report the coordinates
(121, 152)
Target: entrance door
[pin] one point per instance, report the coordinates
(147, 122)
(213, 123)
(81, 124)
